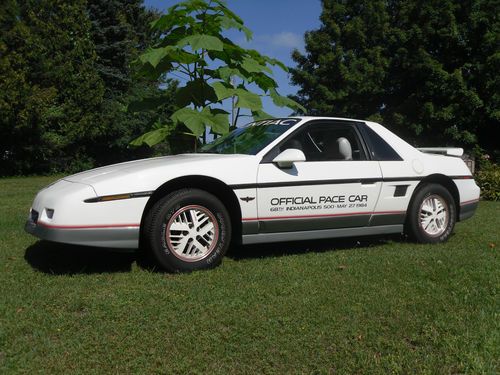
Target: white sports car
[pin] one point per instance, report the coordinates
(275, 180)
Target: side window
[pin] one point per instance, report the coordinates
(380, 148)
(327, 142)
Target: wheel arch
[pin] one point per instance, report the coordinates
(446, 182)
(209, 184)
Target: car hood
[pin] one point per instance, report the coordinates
(150, 173)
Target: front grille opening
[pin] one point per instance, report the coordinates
(34, 216)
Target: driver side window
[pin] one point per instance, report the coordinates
(327, 142)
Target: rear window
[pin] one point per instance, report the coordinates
(381, 150)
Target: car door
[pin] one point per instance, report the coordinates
(337, 186)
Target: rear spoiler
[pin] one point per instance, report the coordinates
(449, 151)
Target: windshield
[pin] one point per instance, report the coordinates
(251, 138)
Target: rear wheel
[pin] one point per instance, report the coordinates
(431, 215)
(188, 230)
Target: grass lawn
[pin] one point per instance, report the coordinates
(373, 306)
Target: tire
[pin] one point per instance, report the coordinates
(176, 242)
(431, 215)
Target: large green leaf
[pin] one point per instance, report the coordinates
(193, 119)
(253, 66)
(174, 35)
(172, 19)
(196, 120)
(183, 57)
(231, 23)
(247, 99)
(202, 41)
(273, 61)
(260, 115)
(225, 10)
(284, 101)
(153, 56)
(150, 72)
(156, 56)
(196, 5)
(151, 138)
(223, 90)
(196, 92)
(264, 81)
(226, 73)
(235, 53)
(220, 121)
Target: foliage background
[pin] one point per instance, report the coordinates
(426, 69)
(66, 81)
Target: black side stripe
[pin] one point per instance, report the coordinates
(115, 197)
(335, 182)
(305, 183)
(141, 194)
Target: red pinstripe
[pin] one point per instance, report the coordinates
(42, 224)
(471, 201)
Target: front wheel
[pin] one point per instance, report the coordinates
(188, 230)
(431, 215)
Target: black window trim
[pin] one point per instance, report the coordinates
(356, 125)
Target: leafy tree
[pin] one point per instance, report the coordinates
(345, 67)
(65, 81)
(120, 32)
(13, 83)
(214, 69)
(426, 68)
(51, 119)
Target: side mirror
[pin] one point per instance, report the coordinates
(286, 158)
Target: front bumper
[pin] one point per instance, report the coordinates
(59, 213)
(122, 237)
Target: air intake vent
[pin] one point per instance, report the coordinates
(34, 216)
(400, 190)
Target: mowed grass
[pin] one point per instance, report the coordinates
(339, 306)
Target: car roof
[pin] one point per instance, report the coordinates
(327, 118)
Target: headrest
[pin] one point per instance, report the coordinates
(344, 148)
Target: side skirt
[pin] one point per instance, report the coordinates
(467, 210)
(319, 234)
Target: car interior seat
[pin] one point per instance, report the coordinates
(345, 149)
(339, 149)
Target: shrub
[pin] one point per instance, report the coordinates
(488, 179)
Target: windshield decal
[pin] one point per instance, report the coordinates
(275, 121)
